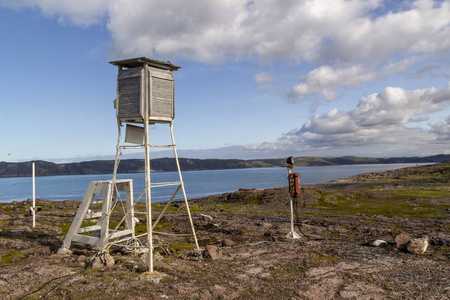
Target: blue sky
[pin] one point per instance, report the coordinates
(258, 79)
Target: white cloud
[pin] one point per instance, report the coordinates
(422, 28)
(375, 126)
(333, 122)
(392, 141)
(374, 141)
(442, 129)
(325, 32)
(395, 106)
(264, 80)
(214, 31)
(389, 107)
(387, 139)
(296, 29)
(392, 106)
(80, 12)
(203, 30)
(325, 80)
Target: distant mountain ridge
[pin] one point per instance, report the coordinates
(44, 168)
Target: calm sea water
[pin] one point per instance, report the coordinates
(197, 183)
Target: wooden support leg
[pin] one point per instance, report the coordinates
(107, 192)
(79, 217)
(130, 208)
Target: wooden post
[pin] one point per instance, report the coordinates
(34, 197)
(130, 207)
(148, 195)
(182, 185)
(108, 193)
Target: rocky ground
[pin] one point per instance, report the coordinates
(245, 252)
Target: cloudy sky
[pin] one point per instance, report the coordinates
(259, 79)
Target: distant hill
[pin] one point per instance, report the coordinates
(44, 168)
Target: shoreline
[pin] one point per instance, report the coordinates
(219, 181)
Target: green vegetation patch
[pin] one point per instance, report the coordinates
(65, 227)
(140, 228)
(165, 226)
(159, 207)
(424, 192)
(182, 246)
(11, 257)
(5, 207)
(407, 203)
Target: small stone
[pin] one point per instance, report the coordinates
(213, 251)
(417, 246)
(96, 263)
(227, 243)
(143, 258)
(206, 217)
(205, 224)
(379, 243)
(194, 255)
(201, 223)
(43, 251)
(266, 225)
(64, 251)
(108, 260)
(100, 261)
(401, 240)
(153, 277)
(21, 230)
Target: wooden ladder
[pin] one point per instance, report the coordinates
(101, 234)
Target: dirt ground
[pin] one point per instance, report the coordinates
(252, 258)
